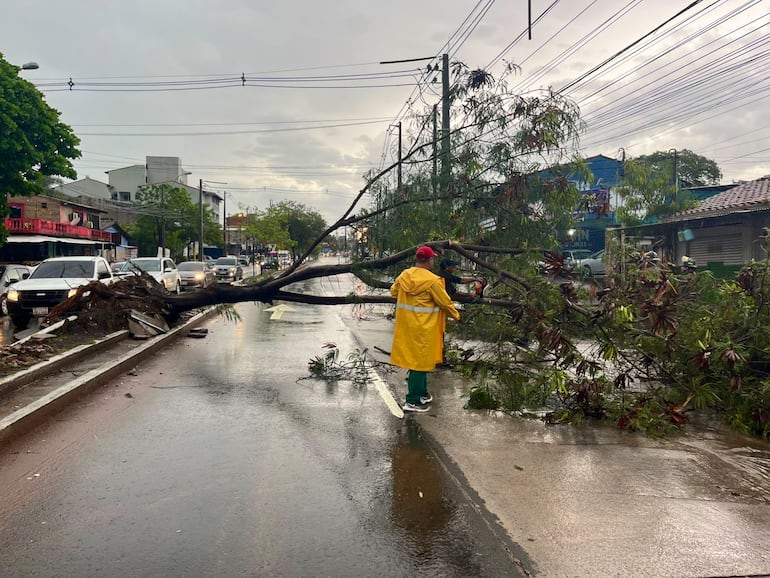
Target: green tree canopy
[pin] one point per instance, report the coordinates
(34, 144)
(267, 228)
(171, 206)
(692, 170)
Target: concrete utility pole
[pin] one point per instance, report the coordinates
(399, 172)
(399, 157)
(446, 169)
(224, 223)
(676, 173)
(200, 221)
(434, 176)
(162, 222)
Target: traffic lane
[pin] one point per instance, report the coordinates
(221, 462)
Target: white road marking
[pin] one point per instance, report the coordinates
(386, 395)
(279, 310)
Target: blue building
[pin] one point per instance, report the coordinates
(597, 208)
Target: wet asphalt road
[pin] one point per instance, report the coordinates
(215, 459)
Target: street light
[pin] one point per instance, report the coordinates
(30, 66)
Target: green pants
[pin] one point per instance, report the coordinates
(417, 386)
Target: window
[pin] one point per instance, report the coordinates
(124, 196)
(101, 270)
(64, 269)
(17, 211)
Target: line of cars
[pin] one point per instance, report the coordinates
(188, 275)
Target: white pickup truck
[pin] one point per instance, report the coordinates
(53, 281)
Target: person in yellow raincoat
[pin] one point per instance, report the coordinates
(422, 304)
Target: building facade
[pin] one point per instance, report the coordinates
(42, 226)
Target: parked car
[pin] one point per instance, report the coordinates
(593, 265)
(53, 281)
(162, 269)
(571, 258)
(196, 274)
(10, 274)
(228, 269)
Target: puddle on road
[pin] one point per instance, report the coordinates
(748, 457)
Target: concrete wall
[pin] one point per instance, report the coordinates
(126, 181)
(85, 187)
(165, 170)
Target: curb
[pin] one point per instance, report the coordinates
(19, 379)
(34, 413)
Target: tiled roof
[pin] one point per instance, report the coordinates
(753, 195)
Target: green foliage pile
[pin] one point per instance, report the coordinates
(653, 345)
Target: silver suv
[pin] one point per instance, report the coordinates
(53, 281)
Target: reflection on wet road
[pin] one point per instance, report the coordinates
(223, 462)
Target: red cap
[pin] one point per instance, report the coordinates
(425, 252)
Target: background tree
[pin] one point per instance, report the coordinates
(34, 143)
(267, 228)
(692, 170)
(304, 225)
(649, 186)
(646, 194)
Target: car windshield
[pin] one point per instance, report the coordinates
(148, 265)
(227, 261)
(190, 266)
(124, 267)
(579, 254)
(64, 269)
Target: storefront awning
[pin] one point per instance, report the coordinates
(46, 239)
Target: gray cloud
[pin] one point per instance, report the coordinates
(175, 40)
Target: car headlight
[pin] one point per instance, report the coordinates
(198, 277)
(12, 295)
(71, 292)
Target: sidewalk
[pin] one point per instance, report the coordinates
(595, 501)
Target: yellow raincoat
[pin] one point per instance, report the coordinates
(421, 309)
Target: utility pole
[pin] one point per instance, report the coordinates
(676, 173)
(162, 222)
(446, 169)
(399, 157)
(224, 222)
(200, 220)
(399, 173)
(434, 176)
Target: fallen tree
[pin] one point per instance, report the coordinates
(645, 348)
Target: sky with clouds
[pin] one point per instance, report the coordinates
(164, 77)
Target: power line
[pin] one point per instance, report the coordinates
(227, 132)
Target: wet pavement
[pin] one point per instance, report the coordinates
(591, 500)
(216, 459)
(222, 462)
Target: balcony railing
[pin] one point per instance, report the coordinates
(41, 227)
